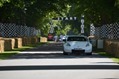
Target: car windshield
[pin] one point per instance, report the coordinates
(76, 39)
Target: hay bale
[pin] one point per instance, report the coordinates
(112, 47)
(1, 45)
(107, 45)
(9, 43)
(117, 54)
(29, 40)
(24, 41)
(34, 40)
(116, 49)
(43, 39)
(18, 42)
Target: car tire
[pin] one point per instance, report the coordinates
(65, 53)
(89, 53)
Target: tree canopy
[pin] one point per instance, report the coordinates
(38, 13)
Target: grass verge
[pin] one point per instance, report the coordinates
(103, 53)
(115, 59)
(7, 54)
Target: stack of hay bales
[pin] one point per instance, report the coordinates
(17, 42)
(1, 45)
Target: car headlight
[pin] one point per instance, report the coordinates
(87, 44)
(68, 44)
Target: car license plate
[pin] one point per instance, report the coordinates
(77, 48)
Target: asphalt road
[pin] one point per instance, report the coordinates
(48, 62)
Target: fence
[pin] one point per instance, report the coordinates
(109, 31)
(13, 30)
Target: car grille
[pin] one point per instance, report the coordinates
(78, 52)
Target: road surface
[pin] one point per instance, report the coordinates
(48, 62)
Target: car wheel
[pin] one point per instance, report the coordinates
(65, 53)
(89, 53)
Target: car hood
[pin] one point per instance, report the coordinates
(77, 44)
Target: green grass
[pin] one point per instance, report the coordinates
(115, 59)
(103, 53)
(7, 54)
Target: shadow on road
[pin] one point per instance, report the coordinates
(48, 47)
(58, 67)
(52, 56)
(49, 51)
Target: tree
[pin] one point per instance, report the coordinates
(38, 13)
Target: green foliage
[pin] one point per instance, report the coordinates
(98, 12)
(38, 13)
(3, 1)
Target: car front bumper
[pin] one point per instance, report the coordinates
(80, 50)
